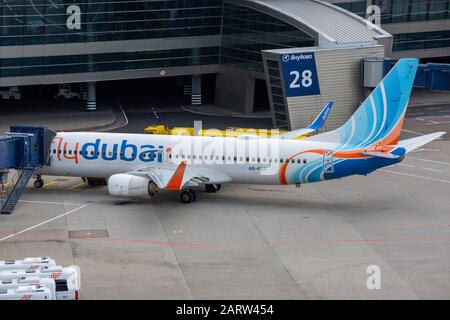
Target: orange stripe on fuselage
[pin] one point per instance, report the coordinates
(177, 178)
(351, 154)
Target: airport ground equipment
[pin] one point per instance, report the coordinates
(11, 93)
(29, 281)
(27, 263)
(67, 280)
(65, 92)
(23, 150)
(429, 76)
(229, 132)
(27, 293)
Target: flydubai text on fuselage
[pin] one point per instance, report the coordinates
(367, 141)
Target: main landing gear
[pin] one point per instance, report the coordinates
(188, 196)
(212, 188)
(38, 183)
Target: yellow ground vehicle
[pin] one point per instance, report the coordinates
(181, 131)
(157, 129)
(229, 132)
(162, 129)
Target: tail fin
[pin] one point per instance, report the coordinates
(318, 123)
(379, 119)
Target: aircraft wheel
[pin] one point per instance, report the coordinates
(186, 196)
(213, 188)
(38, 183)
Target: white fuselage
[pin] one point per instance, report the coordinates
(244, 160)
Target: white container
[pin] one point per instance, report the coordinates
(27, 293)
(27, 263)
(67, 280)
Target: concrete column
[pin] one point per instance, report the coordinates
(187, 86)
(196, 96)
(91, 104)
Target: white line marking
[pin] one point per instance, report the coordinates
(434, 170)
(409, 131)
(124, 115)
(406, 165)
(420, 119)
(434, 122)
(428, 160)
(50, 202)
(434, 108)
(424, 149)
(42, 223)
(415, 176)
(442, 111)
(416, 114)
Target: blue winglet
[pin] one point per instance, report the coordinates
(318, 123)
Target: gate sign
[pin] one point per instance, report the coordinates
(300, 74)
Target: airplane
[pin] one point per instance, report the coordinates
(140, 165)
(310, 130)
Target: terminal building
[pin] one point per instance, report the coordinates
(296, 54)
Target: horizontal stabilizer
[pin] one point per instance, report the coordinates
(414, 143)
(378, 154)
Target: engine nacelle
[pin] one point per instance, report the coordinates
(127, 185)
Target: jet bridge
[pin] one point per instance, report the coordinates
(23, 150)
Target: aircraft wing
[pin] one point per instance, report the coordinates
(316, 125)
(177, 177)
(417, 142)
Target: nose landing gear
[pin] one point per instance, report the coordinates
(38, 183)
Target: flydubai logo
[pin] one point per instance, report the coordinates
(124, 151)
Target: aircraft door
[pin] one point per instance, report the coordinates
(328, 161)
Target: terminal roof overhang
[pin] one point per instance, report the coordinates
(331, 26)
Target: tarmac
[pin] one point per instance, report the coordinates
(248, 241)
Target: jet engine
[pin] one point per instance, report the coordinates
(127, 185)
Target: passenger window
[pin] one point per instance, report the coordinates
(304, 160)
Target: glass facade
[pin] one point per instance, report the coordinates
(358, 7)
(278, 99)
(246, 32)
(394, 11)
(397, 11)
(17, 67)
(422, 40)
(46, 21)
